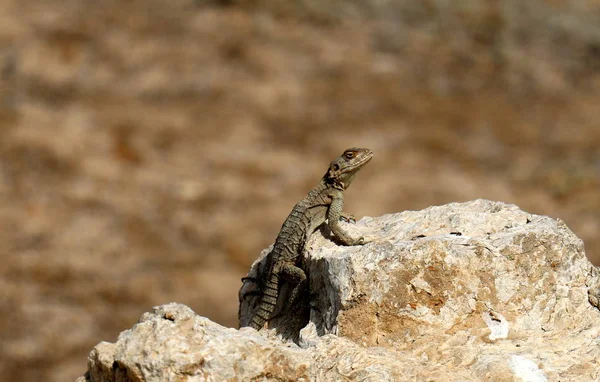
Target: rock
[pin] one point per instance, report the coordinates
(172, 343)
(466, 291)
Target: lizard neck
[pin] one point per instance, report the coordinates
(334, 182)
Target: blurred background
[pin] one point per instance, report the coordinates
(150, 149)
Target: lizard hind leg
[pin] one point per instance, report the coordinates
(293, 273)
(297, 276)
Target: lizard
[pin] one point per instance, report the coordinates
(322, 204)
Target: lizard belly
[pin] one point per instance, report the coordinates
(317, 219)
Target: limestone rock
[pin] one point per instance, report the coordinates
(172, 343)
(479, 283)
(466, 291)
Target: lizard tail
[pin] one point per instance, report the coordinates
(267, 303)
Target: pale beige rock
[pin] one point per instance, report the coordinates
(172, 343)
(472, 291)
(479, 283)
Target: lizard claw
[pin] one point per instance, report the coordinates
(348, 218)
(360, 241)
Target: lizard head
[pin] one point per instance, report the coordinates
(343, 169)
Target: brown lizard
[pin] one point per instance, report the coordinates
(323, 203)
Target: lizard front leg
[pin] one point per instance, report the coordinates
(334, 213)
(347, 217)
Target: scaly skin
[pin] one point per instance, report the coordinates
(323, 203)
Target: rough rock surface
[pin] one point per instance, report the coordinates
(466, 291)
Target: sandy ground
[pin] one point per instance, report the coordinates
(150, 149)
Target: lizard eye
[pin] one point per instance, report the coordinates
(349, 155)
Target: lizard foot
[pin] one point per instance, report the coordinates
(348, 218)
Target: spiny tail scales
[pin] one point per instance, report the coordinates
(267, 304)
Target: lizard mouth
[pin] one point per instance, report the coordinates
(357, 166)
(366, 160)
